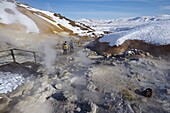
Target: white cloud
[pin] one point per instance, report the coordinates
(166, 7)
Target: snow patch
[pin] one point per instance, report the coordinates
(17, 17)
(9, 81)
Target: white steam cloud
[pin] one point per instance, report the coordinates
(5, 41)
(83, 58)
(44, 48)
(49, 54)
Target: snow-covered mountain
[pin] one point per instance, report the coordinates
(157, 33)
(121, 24)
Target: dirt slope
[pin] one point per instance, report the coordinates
(163, 50)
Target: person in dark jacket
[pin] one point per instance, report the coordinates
(71, 46)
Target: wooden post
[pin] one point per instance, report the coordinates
(13, 55)
(35, 57)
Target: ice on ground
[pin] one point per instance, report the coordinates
(16, 17)
(157, 33)
(9, 81)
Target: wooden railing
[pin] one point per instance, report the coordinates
(12, 53)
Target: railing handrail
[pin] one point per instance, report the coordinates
(13, 54)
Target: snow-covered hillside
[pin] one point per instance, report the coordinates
(60, 21)
(39, 21)
(121, 24)
(151, 29)
(157, 33)
(10, 14)
(149, 33)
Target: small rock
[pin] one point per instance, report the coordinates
(168, 91)
(131, 72)
(55, 77)
(45, 93)
(58, 86)
(112, 95)
(93, 107)
(97, 89)
(107, 95)
(139, 79)
(148, 92)
(65, 73)
(69, 97)
(72, 70)
(113, 64)
(51, 99)
(159, 58)
(78, 109)
(71, 59)
(91, 86)
(148, 55)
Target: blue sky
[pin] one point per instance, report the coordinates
(102, 9)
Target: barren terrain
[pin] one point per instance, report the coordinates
(84, 82)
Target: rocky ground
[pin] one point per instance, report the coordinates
(84, 82)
